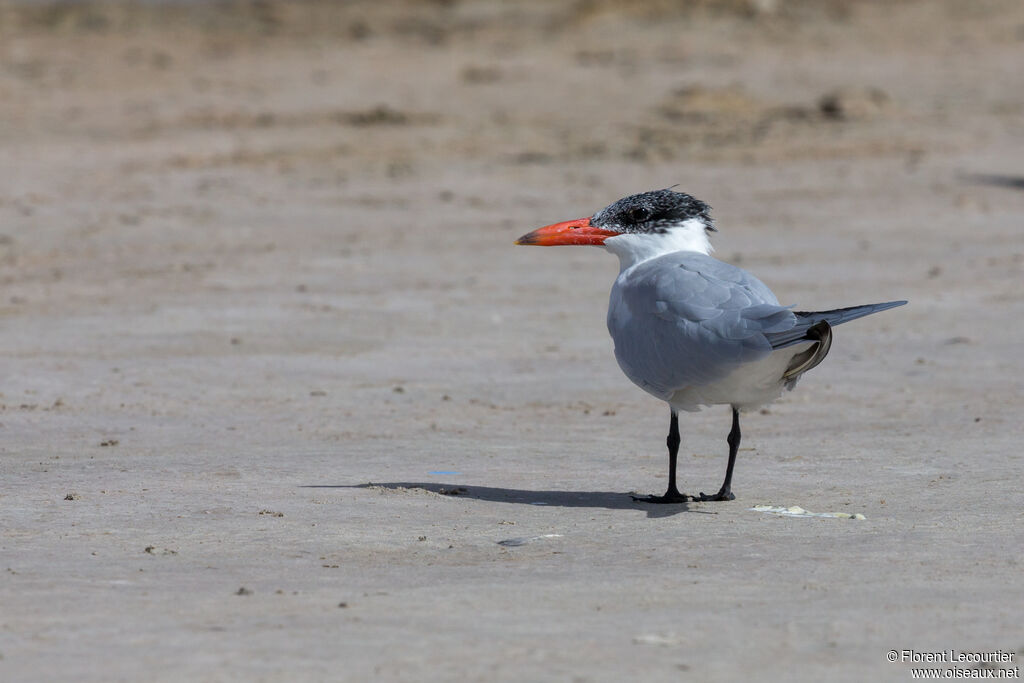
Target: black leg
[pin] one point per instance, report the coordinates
(672, 495)
(725, 493)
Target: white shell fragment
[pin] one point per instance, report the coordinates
(797, 511)
(662, 639)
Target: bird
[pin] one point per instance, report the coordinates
(690, 329)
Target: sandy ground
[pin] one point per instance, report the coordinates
(276, 383)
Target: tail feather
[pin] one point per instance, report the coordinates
(806, 320)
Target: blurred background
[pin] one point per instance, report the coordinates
(252, 247)
(208, 184)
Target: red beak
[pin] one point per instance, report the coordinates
(579, 231)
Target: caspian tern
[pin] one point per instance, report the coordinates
(690, 329)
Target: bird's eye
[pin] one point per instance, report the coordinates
(639, 214)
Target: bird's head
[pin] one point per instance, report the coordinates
(637, 227)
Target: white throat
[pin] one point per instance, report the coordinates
(634, 248)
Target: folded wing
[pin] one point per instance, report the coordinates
(686, 319)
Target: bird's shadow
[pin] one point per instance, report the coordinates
(994, 179)
(609, 500)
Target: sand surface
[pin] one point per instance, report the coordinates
(275, 385)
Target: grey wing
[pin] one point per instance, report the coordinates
(688, 320)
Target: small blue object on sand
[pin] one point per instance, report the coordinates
(443, 472)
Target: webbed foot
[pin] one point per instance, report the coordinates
(670, 497)
(724, 494)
